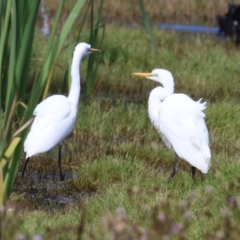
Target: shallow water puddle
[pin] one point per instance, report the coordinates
(47, 192)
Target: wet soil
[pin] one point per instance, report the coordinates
(42, 189)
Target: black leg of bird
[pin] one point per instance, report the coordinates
(62, 176)
(202, 178)
(24, 166)
(193, 172)
(175, 167)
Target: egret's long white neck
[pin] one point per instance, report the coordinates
(160, 93)
(156, 97)
(75, 75)
(154, 102)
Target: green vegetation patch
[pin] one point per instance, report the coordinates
(115, 162)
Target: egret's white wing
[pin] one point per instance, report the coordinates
(51, 110)
(57, 104)
(54, 120)
(181, 122)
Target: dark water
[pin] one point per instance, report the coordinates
(188, 28)
(44, 190)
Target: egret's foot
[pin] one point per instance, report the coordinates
(169, 179)
(202, 178)
(193, 172)
(24, 167)
(62, 177)
(175, 169)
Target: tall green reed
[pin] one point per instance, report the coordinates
(97, 32)
(17, 32)
(95, 39)
(18, 19)
(147, 24)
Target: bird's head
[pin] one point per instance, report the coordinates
(85, 49)
(158, 75)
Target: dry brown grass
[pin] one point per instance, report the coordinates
(170, 11)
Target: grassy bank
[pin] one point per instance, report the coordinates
(117, 164)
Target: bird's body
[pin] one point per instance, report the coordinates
(56, 115)
(179, 120)
(54, 121)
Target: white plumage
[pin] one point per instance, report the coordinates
(54, 120)
(56, 115)
(179, 120)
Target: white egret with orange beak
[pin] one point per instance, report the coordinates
(180, 122)
(56, 115)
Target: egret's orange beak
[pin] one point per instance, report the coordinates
(142, 74)
(95, 50)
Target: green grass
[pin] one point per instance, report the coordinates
(118, 160)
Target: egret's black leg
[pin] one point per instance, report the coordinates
(24, 167)
(62, 176)
(193, 172)
(202, 178)
(175, 167)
